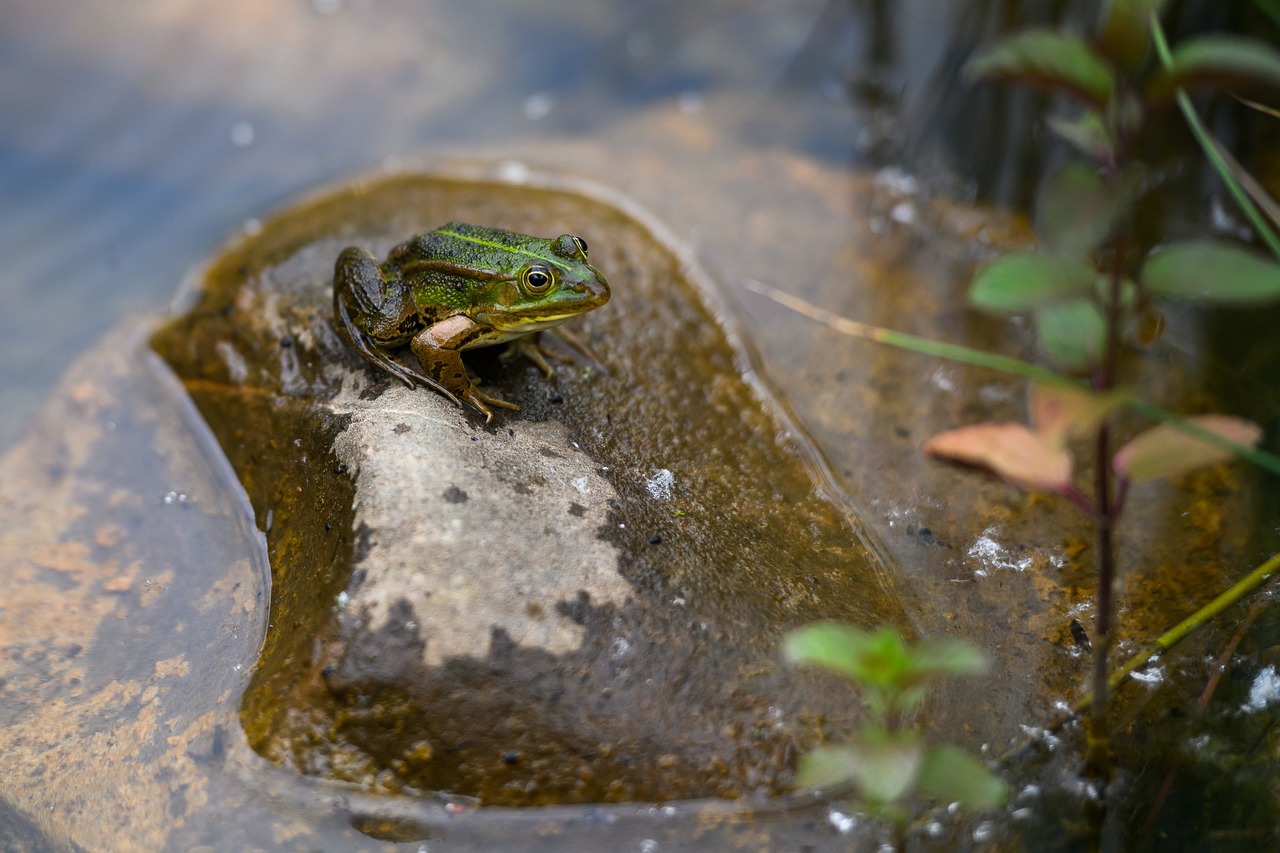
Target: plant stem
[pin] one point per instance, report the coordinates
(1107, 512)
(1005, 364)
(1098, 756)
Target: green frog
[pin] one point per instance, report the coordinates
(458, 287)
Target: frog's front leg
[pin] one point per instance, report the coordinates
(531, 347)
(439, 351)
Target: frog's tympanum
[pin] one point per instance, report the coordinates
(458, 287)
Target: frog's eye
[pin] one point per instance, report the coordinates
(579, 243)
(537, 279)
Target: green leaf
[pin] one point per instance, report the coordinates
(1125, 31)
(1167, 451)
(886, 764)
(825, 766)
(882, 765)
(947, 657)
(1012, 452)
(1078, 210)
(1072, 333)
(1022, 281)
(1046, 60)
(1216, 62)
(1211, 271)
(952, 775)
(1214, 151)
(860, 656)
(1087, 134)
(1270, 8)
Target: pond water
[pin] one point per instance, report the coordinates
(140, 136)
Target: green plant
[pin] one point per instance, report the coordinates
(887, 761)
(1089, 294)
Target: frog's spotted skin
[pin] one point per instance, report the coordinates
(458, 287)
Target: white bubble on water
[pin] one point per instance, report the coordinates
(242, 134)
(660, 484)
(538, 105)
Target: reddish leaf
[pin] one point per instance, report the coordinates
(1010, 451)
(1167, 451)
(1059, 413)
(1047, 60)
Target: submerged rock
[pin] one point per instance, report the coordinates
(578, 603)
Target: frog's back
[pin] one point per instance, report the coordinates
(447, 269)
(478, 253)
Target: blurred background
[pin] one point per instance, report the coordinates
(137, 137)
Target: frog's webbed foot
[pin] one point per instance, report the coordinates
(532, 348)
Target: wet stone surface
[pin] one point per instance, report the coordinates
(136, 589)
(580, 602)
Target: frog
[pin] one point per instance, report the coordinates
(456, 288)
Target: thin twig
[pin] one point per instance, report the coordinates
(1003, 364)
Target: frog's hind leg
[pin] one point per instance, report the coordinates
(351, 275)
(364, 345)
(439, 351)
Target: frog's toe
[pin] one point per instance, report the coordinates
(540, 354)
(533, 351)
(480, 401)
(575, 343)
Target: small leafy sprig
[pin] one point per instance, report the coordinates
(886, 761)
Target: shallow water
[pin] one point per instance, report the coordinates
(138, 137)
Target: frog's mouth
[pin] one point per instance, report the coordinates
(524, 325)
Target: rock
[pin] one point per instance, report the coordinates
(480, 609)
(511, 537)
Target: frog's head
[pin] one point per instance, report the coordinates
(549, 288)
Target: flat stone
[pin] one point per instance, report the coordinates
(477, 535)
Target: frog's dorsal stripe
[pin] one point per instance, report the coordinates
(480, 241)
